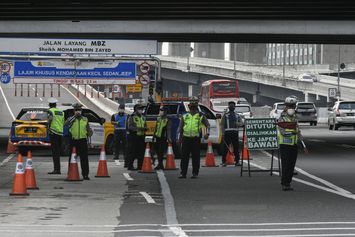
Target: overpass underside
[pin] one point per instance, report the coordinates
(177, 82)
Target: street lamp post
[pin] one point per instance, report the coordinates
(235, 58)
(283, 65)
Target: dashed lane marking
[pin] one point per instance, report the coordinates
(147, 197)
(346, 146)
(7, 103)
(320, 180)
(127, 176)
(316, 140)
(7, 159)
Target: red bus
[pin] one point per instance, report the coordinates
(216, 94)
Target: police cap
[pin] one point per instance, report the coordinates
(52, 100)
(77, 106)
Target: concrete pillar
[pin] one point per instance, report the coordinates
(227, 51)
(306, 95)
(190, 90)
(179, 49)
(209, 50)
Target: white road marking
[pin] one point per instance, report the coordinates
(316, 140)
(33, 88)
(271, 230)
(117, 162)
(40, 98)
(127, 176)
(74, 96)
(7, 103)
(297, 235)
(325, 182)
(346, 146)
(7, 159)
(147, 197)
(169, 205)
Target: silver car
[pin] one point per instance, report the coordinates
(342, 114)
(306, 112)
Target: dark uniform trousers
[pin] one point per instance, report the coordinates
(288, 162)
(161, 146)
(56, 141)
(136, 150)
(231, 137)
(120, 144)
(190, 145)
(81, 146)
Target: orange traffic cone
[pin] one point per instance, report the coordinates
(10, 148)
(19, 186)
(230, 156)
(246, 154)
(102, 168)
(30, 173)
(209, 160)
(73, 174)
(147, 162)
(170, 162)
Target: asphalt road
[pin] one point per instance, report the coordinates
(218, 203)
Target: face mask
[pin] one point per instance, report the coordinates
(231, 108)
(139, 111)
(193, 108)
(161, 113)
(78, 112)
(290, 112)
(121, 111)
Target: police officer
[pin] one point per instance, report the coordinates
(289, 135)
(189, 135)
(119, 120)
(136, 127)
(56, 124)
(162, 135)
(230, 123)
(80, 131)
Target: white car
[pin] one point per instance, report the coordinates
(306, 78)
(129, 107)
(277, 109)
(342, 114)
(244, 110)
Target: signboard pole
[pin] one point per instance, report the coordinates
(44, 90)
(51, 90)
(15, 89)
(92, 92)
(28, 90)
(113, 93)
(21, 90)
(58, 90)
(36, 90)
(85, 90)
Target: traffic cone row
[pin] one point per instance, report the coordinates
(102, 171)
(147, 166)
(30, 173)
(210, 160)
(73, 173)
(170, 161)
(19, 185)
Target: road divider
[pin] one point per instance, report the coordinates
(147, 197)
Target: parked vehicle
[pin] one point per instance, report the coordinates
(341, 114)
(277, 108)
(306, 112)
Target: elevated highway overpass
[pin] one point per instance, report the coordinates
(262, 81)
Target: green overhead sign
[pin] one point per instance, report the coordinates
(261, 134)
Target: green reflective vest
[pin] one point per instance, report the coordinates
(57, 123)
(192, 124)
(139, 121)
(161, 125)
(78, 129)
(288, 139)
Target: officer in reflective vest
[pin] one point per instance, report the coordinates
(189, 135)
(56, 124)
(162, 135)
(136, 127)
(288, 136)
(230, 123)
(80, 131)
(119, 120)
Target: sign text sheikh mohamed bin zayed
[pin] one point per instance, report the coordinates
(61, 72)
(261, 134)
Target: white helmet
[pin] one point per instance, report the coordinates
(291, 100)
(52, 100)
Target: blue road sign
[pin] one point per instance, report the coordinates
(5, 78)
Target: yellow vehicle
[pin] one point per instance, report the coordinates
(30, 129)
